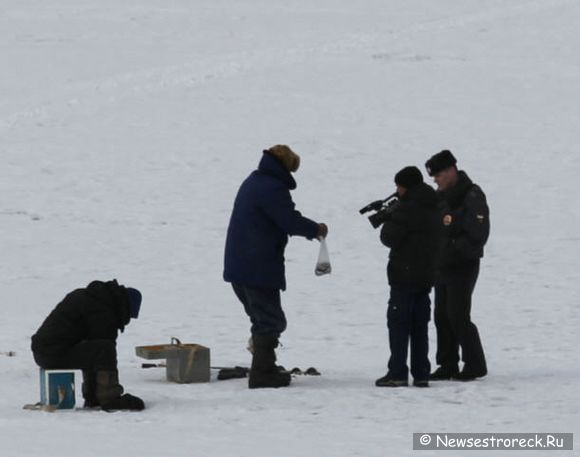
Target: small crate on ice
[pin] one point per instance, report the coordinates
(57, 388)
(186, 363)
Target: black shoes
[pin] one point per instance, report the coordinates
(470, 375)
(109, 394)
(444, 374)
(126, 402)
(453, 374)
(389, 381)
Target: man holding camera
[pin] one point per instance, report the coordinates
(410, 230)
(263, 217)
(464, 222)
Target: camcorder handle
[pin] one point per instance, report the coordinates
(378, 204)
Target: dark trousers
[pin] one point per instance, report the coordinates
(453, 321)
(408, 318)
(263, 307)
(87, 355)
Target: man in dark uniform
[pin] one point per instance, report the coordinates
(263, 217)
(81, 333)
(464, 219)
(411, 233)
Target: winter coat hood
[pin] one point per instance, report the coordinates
(114, 296)
(272, 166)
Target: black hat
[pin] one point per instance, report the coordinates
(409, 177)
(440, 162)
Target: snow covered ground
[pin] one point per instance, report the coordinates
(126, 128)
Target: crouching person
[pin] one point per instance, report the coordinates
(262, 219)
(81, 333)
(411, 234)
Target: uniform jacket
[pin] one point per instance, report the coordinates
(465, 232)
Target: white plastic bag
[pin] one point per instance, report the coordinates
(323, 263)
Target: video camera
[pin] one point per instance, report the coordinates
(384, 209)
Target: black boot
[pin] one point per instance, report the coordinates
(389, 381)
(264, 372)
(444, 373)
(89, 389)
(470, 374)
(110, 393)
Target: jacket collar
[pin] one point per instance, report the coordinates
(457, 193)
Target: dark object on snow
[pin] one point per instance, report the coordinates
(153, 365)
(308, 372)
(465, 228)
(384, 209)
(312, 372)
(439, 162)
(242, 372)
(233, 373)
(81, 333)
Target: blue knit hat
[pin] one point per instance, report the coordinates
(134, 302)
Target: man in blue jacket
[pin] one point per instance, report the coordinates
(263, 217)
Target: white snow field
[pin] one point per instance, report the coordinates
(126, 128)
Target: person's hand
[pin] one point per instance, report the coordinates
(322, 231)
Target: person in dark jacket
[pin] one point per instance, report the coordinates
(464, 222)
(263, 217)
(81, 333)
(410, 233)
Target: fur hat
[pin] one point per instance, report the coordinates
(409, 177)
(287, 156)
(440, 162)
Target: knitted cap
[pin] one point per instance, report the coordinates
(134, 302)
(409, 177)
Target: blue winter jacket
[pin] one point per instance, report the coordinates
(262, 218)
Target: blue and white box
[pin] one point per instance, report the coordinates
(57, 388)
